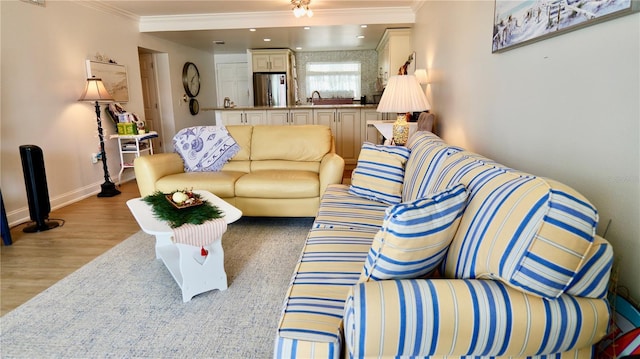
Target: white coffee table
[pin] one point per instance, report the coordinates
(194, 273)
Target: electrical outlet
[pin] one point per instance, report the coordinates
(95, 157)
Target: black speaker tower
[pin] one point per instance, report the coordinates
(35, 181)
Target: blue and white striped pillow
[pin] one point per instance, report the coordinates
(380, 173)
(415, 236)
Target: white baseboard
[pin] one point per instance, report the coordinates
(22, 215)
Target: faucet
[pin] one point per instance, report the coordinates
(314, 93)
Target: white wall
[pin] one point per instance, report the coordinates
(43, 73)
(567, 108)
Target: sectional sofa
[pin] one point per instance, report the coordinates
(435, 251)
(274, 171)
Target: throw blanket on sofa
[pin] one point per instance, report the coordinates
(205, 148)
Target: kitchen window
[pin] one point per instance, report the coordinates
(334, 79)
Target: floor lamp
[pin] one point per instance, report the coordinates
(95, 91)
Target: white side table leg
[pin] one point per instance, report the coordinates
(162, 240)
(201, 273)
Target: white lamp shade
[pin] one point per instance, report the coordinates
(403, 94)
(95, 91)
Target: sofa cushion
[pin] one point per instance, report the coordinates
(341, 209)
(278, 184)
(415, 236)
(222, 183)
(379, 173)
(205, 148)
(311, 321)
(468, 319)
(295, 143)
(529, 232)
(242, 135)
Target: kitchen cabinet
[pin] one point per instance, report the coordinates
(244, 117)
(276, 61)
(393, 50)
(371, 133)
(347, 129)
(289, 117)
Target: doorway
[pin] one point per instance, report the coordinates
(150, 96)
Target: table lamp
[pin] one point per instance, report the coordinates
(402, 95)
(96, 92)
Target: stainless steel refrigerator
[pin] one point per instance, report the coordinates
(270, 89)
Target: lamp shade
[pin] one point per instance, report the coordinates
(403, 94)
(95, 91)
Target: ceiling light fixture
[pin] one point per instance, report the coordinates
(301, 8)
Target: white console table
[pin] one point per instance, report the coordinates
(131, 147)
(385, 128)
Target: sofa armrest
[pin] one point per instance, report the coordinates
(331, 170)
(415, 318)
(149, 169)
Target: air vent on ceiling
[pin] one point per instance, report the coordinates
(218, 42)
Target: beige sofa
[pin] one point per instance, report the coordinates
(280, 171)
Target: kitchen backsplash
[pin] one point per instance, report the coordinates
(367, 58)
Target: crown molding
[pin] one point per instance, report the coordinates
(109, 9)
(399, 15)
(417, 4)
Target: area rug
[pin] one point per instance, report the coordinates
(125, 304)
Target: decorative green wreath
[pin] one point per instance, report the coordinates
(166, 211)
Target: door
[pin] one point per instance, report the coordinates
(150, 98)
(255, 117)
(232, 82)
(326, 117)
(231, 117)
(349, 140)
(301, 117)
(260, 63)
(278, 117)
(278, 62)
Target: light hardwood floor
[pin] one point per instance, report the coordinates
(35, 261)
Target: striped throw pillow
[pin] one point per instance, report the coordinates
(379, 173)
(415, 236)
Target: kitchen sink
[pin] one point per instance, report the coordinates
(332, 101)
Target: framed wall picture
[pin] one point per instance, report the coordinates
(113, 76)
(519, 22)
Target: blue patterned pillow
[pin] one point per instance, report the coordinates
(205, 148)
(415, 236)
(380, 173)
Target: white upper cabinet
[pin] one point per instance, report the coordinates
(393, 51)
(276, 61)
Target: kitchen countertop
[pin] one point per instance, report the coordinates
(296, 107)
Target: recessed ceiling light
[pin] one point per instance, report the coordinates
(307, 27)
(364, 26)
(267, 40)
(252, 30)
(360, 36)
(298, 48)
